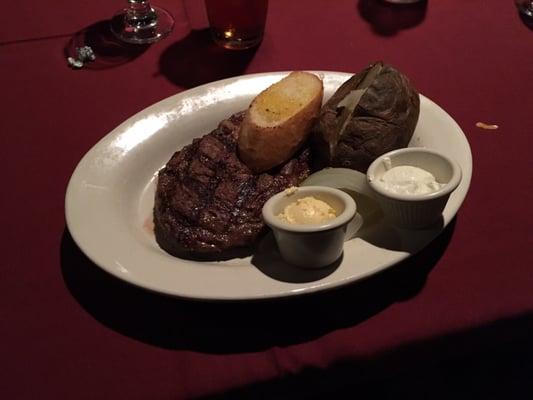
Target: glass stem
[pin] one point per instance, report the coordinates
(140, 14)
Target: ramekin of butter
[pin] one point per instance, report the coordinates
(413, 185)
(309, 224)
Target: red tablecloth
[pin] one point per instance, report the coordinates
(69, 330)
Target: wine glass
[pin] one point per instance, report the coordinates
(525, 7)
(141, 23)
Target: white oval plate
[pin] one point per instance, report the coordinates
(109, 200)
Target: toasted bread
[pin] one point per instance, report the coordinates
(278, 121)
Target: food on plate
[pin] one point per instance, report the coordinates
(483, 125)
(307, 210)
(278, 120)
(210, 195)
(372, 113)
(408, 179)
(208, 201)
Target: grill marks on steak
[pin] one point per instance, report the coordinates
(208, 201)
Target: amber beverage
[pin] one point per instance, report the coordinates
(237, 24)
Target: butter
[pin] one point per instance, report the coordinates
(307, 210)
(290, 191)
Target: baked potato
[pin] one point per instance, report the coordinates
(374, 112)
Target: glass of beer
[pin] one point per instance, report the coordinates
(237, 24)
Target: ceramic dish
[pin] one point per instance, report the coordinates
(410, 210)
(310, 245)
(110, 196)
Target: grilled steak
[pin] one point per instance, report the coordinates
(208, 201)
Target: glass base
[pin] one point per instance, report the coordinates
(233, 43)
(142, 34)
(402, 1)
(237, 44)
(525, 7)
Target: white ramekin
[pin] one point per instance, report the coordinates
(421, 210)
(310, 245)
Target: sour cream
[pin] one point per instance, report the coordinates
(406, 179)
(307, 210)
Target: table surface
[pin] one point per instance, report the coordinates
(69, 330)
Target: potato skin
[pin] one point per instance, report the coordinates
(384, 120)
(262, 148)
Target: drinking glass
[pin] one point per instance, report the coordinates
(525, 7)
(237, 24)
(141, 23)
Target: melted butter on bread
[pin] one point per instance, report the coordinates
(278, 121)
(285, 98)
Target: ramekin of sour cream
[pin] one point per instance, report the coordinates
(413, 185)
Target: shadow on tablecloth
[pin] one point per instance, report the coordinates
(226, 327)
(493, 361)
(388, 19)
(196, 60)
(110, 52)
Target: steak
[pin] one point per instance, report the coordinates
(208, 201)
